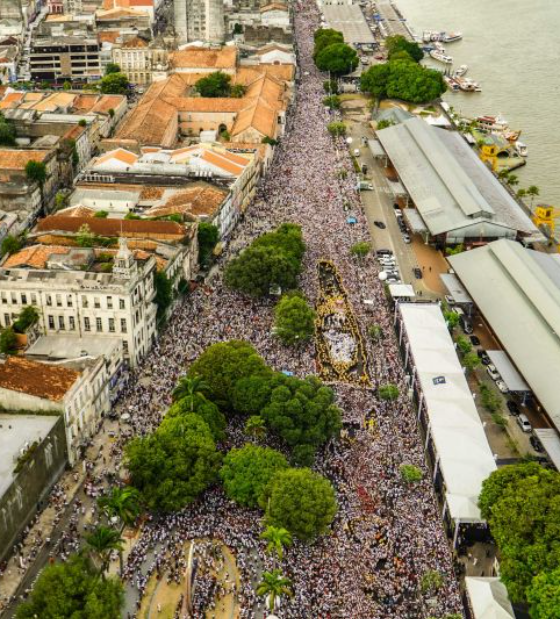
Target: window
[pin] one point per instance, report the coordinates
(24, 299)
(61, 323)
(96, 303)
(59, 301)
(87, 324)
(51, 322)
(14, 298)
(111, 325)
(109, 302)
(34, 299)
(121, 304)
(84, 301)
(72, 323)
(4, 298)
(98, 325)
(123, 326)
(7, 320)
(49, 300)
(69, 300)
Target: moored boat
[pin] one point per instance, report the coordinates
(451, 37)
(440, 56)
(461, 71)
(521, 148)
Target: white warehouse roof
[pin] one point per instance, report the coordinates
(349, 20)
(465, 457)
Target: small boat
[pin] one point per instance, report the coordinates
(441, 57)
(452, 84)
(451, 37)
(498, 125)
(431, 36)
(468, 86)
(460, 72)
(521, 148)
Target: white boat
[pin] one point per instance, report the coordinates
(441, 57)
(460, 72)
(521, 148)
(451, 37)
(451, 83)
(432, 36)
(468, 86)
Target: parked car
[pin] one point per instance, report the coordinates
(417, 273)
(384, 252)
(494, 374)
(502, 386)
(449, 300)
(513, 408)
(524, 423)
(537, 447)
(398, 213)
(475, 341)
(406, 238)
(380, 224)
(484, 357)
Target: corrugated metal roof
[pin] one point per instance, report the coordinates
(351, 22)
(510, 376)
(521, 302)
(551, 443)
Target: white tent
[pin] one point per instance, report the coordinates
(488, 598)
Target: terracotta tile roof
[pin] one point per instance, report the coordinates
(225, 162)
(75, 132)
(42, 380)
(148, 123)
(34, 256)
(274, 6)
(109, 227)
(117, 13)
(77, 211)
(108, 36)
(135, 42)
(55, 101)
(121, 154)
(259, 116)
(151, 193)
(194, 57)
(196, 200)
(214, 105)
(105, 103)
(17, 160)
(286, 73)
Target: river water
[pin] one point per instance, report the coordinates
(512, 47)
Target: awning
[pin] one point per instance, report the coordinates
(455, 288)
(415, 221)
(510, 376)
(397, 188)
(550, 441)
(488, 598)
(402, 291)
(376, 148)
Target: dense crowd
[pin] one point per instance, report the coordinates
(386, 535)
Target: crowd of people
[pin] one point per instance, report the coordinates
(387, 535)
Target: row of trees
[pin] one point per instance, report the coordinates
(271, 263)
(218, 84)
(522, 506)
(331, 54)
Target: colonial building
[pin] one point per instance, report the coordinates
(141, 61)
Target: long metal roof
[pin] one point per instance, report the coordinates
(349, 20)
(520, 299)
(450, 186)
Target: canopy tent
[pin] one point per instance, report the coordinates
(513, 380)
(376, 149)
(455, 288)
(550, 441)
(462, 452)
(402, 291)
(488, 598)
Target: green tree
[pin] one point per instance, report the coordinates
(122, 503)
(543, 595)
(464, 344)
(388, 391)
(451, 318)
(294, 319)
(7, 132)
(27, 317)
(410, 473)
(338, 59)
(101, 214)
(85, 238)
(374, 81)
(217, 84)
(10, 245)
(431, 582)
(36, 172)
(383, 124)
(375, 332)
(255, 427)
(278, 538)
(521, 193)
(101, 544)
(331, 87)
(302, 502)
(164, 293)
(361, 249)
(174, 465)
(223, 364)
(60, 201)
(273, 586)
(302, 412)
(208, 236)
(188, 387)
(72, 589)
(513, 180)
(237, 91)
(67, 85)
(247, 472)
(336, 129)
(533, 191)
(114, 84)
(333, 102)
(325, 37)
(471, 361)
(8, 341)
(205, 409)
(490, 400)
(398, 43)
(112, 67)
(251, 394)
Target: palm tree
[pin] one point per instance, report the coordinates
(503, 175)
(273, 586)
(513, 180)
(278, 538)
(122, 502)
(189, 387)
(255, 426)
(102, 542)
(533, 191)
(521, 193)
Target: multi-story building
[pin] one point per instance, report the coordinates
(199, 20)
(140, 60)
(76, 295)
(67, 57)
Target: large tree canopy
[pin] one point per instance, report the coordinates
(173, 465)
(302, 502)
(203, 408)
(398, 44)
(543, 595)
(337, 58)
(522, 506)
(223, 364)
(294, 319)
(217, 84)
(325, 37)
(247, 472)
(73, 589)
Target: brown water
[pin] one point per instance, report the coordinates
(512, 47)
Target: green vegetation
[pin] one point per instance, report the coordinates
(208, 236)
(7, 132)
(388, 392)
(255, 427)
(385, 123)
(164, 293)
(331, 87)
(112, 67)
(464, 344)
(431, 582)
(336, 129)
(471, 361)
(114, 84)
(10, 245)
(285, 507)
(36, 172)
(27, 317)
(403, 79)
(278, 539)
(204, 409)
(324, 37)
(332, 101)
(101, 543)
(73, 589)
(521, 504)
(218, 84)
(411, 474)
(274, 586)
(101, 214)
(172, 466)
(375, 332)
(396, 45)
(271, 262)
(294, 319)
(337, 59)
(451, 318)
(247, 472)
(361, 249)
(490, 400)
(8, 341)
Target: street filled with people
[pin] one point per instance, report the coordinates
(387, 534)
